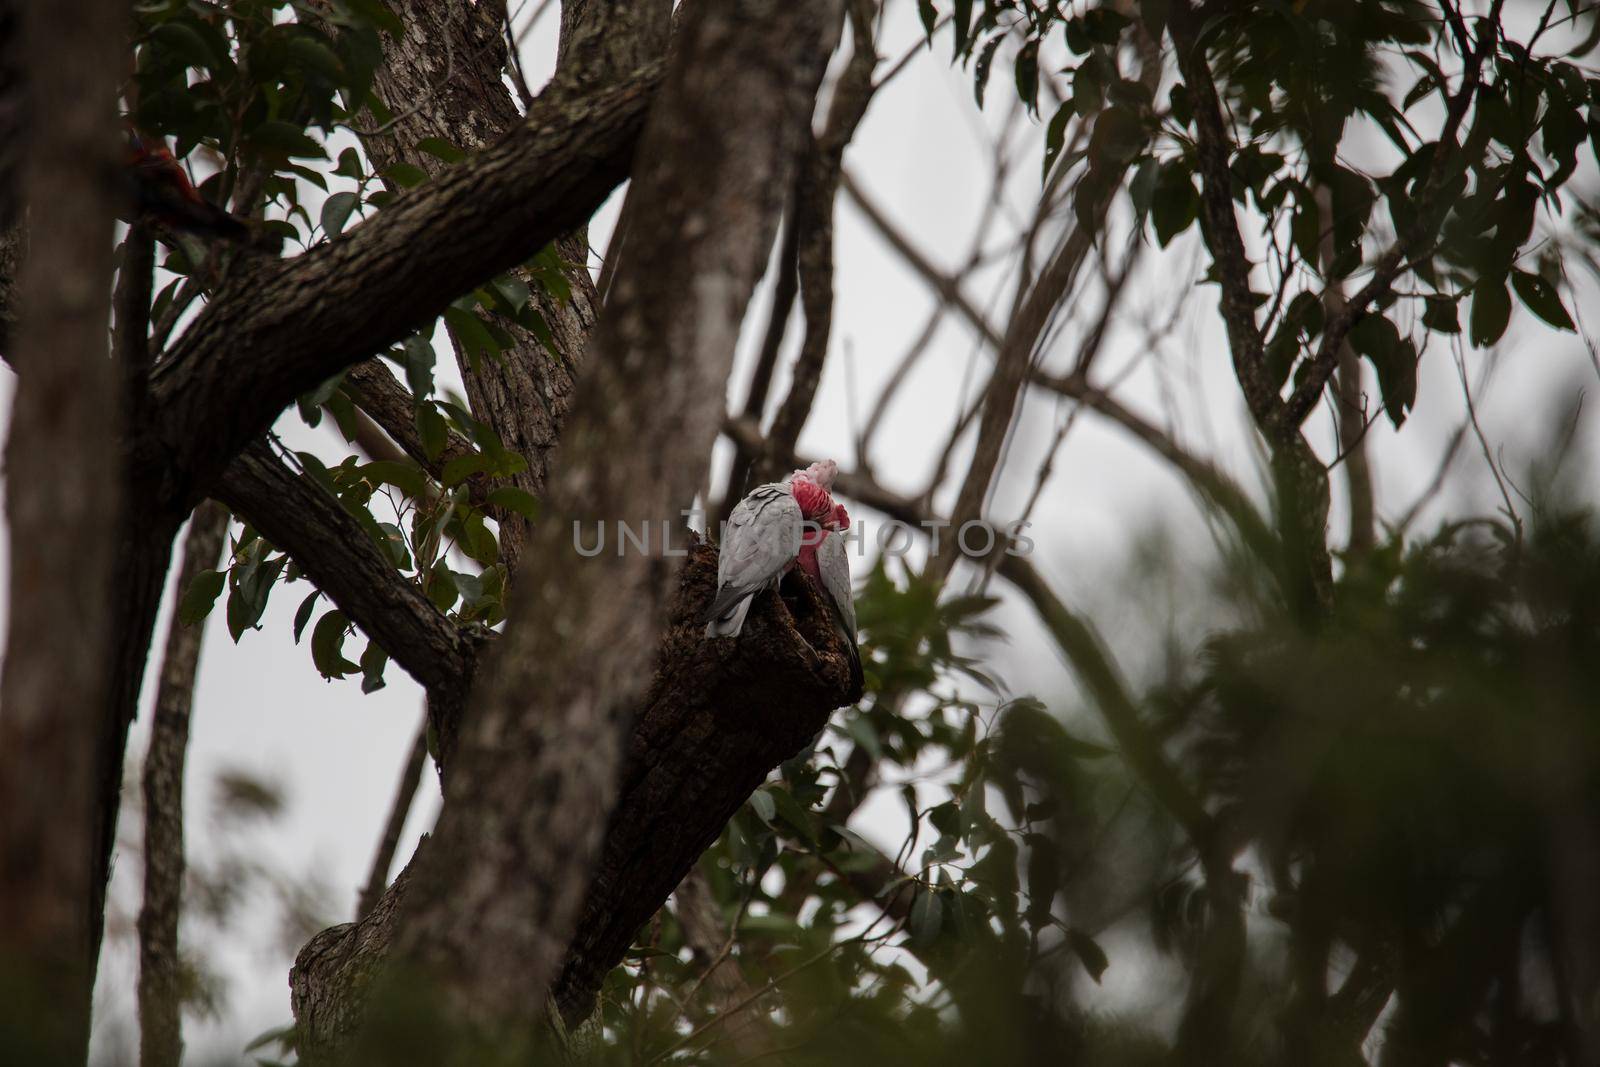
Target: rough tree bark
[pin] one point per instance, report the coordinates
(160, 972)
(451, 57)
(493, 899)
(62, 507)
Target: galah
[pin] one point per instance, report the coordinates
(763, 540)
(159, 188)
(829, 563)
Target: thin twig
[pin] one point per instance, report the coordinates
(405, 792)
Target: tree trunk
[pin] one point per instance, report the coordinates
(61, 503)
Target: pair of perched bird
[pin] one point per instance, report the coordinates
(775, 528)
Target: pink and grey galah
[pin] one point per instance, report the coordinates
(776, 526)
(829, 563)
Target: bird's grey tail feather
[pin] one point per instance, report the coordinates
(722, 603)
(731, 621)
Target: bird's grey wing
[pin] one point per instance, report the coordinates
(833, 562)
(763, 539)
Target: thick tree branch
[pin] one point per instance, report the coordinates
(1300, 479)
(277, 328)
(160, 963)
(340, 557)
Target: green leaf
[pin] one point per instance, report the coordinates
(963, 26)
(406, 175)
(1175, 204)
(1026, 70)
(336, 212)
(1090, 954)
(520, 501)
(1055, 136)
(432, 429)
(930, 18)
(1044, 877)
(350, 164)
(327, 646)
(477, 541)
(310, 54)
(376, 14)
(441, 149)
(1542, 299)
(419, 360)
(403, 474)
(179, 38)
(765, 808)
(795, 814)
(373, 661)
(1491, 311)
(442, 590)
(980, 70)
(461, 468)
(200, 597)
(470, 335)
(927, 916)
(303, 616)
(277, 139)
(1441, 315)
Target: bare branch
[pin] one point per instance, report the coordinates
(1214, 145)
(160, 966)
(816, 187)
(947, 287)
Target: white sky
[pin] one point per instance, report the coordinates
(922, 156)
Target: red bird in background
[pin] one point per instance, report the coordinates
(159, 188)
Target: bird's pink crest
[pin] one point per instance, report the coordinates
(823, 472)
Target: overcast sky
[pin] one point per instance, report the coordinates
(922, 155)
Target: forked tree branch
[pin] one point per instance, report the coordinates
(278, 328)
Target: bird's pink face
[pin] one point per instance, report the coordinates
(815, 503)
(839, 519)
